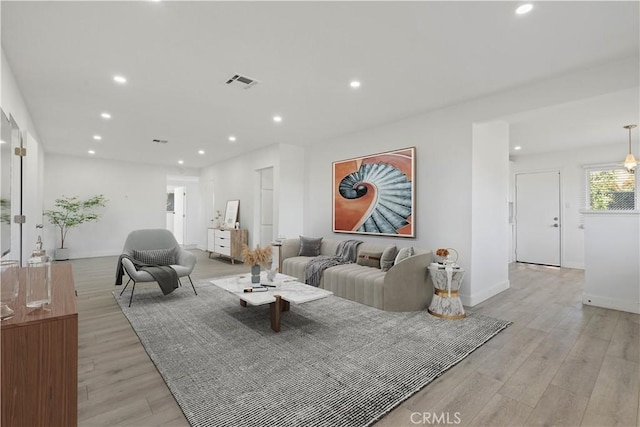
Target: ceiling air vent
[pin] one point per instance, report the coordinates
(242, 81)
(160, 141)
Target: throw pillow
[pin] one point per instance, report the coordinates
(388, 257)
(310, 246)
(403, 254)
(369, 259)
(156, 256)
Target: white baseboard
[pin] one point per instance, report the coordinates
(576, 265)
(92, 254)
(612, 303)
(477, 298)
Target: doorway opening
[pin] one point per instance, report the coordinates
(266, 206)
(176, 211)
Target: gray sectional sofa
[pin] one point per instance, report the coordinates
(406, 286)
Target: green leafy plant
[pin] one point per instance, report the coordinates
(71, 212)
(611, 189)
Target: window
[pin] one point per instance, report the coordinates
(610, 188)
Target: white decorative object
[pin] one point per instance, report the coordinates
(271, 273)
(446, 280)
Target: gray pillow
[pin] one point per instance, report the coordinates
(403, 254)
(156, 256)
(310, 246)
(369, 259)
(388, 257)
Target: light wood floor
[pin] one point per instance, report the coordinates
(560, 363)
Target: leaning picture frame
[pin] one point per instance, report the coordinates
(231, 213)
(375, 194)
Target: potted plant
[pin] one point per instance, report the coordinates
(71, 212)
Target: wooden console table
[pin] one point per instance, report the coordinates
(40, 358)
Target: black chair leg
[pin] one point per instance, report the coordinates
(133, 289)
(125, 287)
(194, 288)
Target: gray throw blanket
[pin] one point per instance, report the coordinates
(166, 276)
(345, 254)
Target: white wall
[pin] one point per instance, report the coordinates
(136, 194)
(444, 151)
(571, 165)
(239, 179)
(490, 211)
(288, 191)
(612, 260)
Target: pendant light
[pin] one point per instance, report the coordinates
(630, 162)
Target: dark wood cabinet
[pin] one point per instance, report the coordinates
(40, 358)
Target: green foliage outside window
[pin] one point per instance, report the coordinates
(612, 189)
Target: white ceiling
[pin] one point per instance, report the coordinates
(411, 57)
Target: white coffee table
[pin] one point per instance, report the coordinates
(287, 290)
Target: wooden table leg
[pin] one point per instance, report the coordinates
(243, 303)
(285, 305)
(276, 309)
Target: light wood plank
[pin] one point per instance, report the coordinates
(532, 378)
(558, 407)
(614, 401)
(625, 342)
(502, 411)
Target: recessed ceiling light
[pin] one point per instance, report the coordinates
(97, 137)
(200, 151)
(232, 138)
(105, 115)
(180, 162)
(120, 79)
(355, 84)
(517, 148)
(91, 152)
(525, 8)
(277, 119)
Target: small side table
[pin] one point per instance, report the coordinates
(446, 303)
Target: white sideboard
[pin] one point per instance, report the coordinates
(227, 242)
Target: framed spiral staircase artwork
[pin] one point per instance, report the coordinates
(375, 194)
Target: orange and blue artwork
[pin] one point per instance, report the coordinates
(375, 194)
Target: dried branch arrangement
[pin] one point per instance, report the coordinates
(261, 256)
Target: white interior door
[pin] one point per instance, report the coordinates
(179, 217)
(538, 218)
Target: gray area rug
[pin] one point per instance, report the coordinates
(334, 363)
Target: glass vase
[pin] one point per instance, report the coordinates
(9, 286)
(38, 281)
(255, 273)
